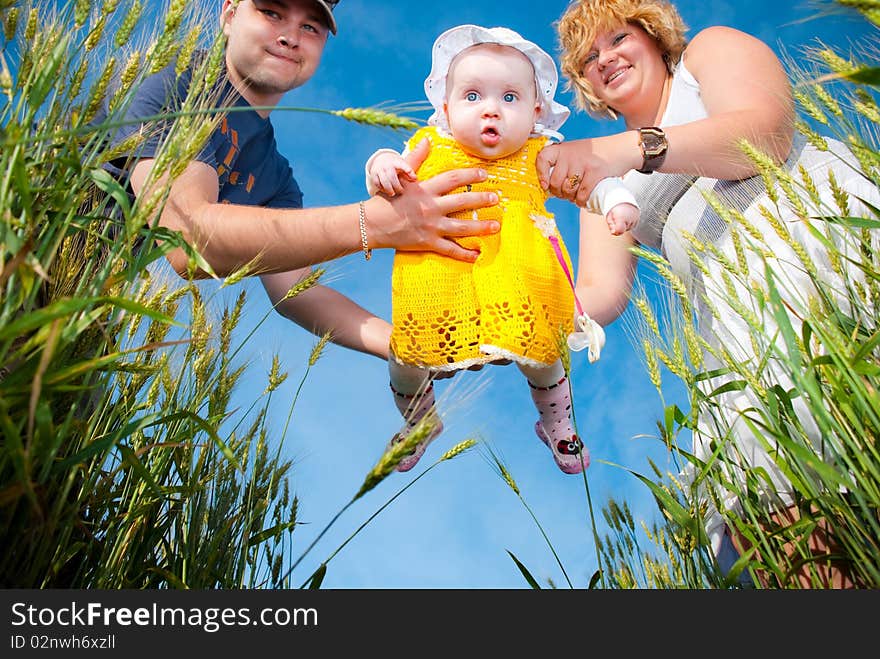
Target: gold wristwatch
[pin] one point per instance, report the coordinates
(652, 142)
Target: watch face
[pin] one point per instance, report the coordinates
(653, 144)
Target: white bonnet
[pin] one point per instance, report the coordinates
(449, 44)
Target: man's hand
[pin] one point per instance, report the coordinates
(418, 220)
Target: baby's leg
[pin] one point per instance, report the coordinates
(413, 394)
(550, 392)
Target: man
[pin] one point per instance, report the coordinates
(238, 201)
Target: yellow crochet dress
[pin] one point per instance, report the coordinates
(513, 302)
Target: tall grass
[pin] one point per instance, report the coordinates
(121, 464)
(816, 372)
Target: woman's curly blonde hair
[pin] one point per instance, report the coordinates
(585, 19)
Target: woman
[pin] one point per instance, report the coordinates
(686, 107)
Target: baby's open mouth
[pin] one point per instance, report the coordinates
(490, 136)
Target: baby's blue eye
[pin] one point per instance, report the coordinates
(472, 96)
(509, 97)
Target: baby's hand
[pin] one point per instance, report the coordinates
(622, 218)
(388, 170)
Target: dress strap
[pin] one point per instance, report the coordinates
(588, 333)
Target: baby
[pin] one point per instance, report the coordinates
(492, 93)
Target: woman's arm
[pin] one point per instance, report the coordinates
(606, 269)
(747, 95)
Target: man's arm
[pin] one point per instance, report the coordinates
(321, 309)
(229, 236)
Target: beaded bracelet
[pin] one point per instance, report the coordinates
(362, 221)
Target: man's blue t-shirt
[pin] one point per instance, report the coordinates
(242, 150)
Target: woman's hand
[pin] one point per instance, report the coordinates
(571, 170)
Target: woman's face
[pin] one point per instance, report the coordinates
(625, 67)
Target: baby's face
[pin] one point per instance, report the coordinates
(491, 100)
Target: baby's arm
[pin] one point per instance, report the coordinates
(611, 198)
(622, 218)
(384, 171)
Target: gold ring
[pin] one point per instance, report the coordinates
(573, 180)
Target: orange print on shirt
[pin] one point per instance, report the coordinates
(229, 156)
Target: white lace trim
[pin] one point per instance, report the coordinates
(497, 352)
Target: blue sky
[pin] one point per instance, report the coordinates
(453, 528)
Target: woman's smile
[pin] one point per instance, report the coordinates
(616, 74)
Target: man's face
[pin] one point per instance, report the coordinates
(273, 46)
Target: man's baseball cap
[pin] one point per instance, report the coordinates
(328, 6)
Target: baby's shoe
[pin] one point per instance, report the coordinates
(554, 427)
(414, 407)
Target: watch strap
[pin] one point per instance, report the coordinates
(653, 144)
